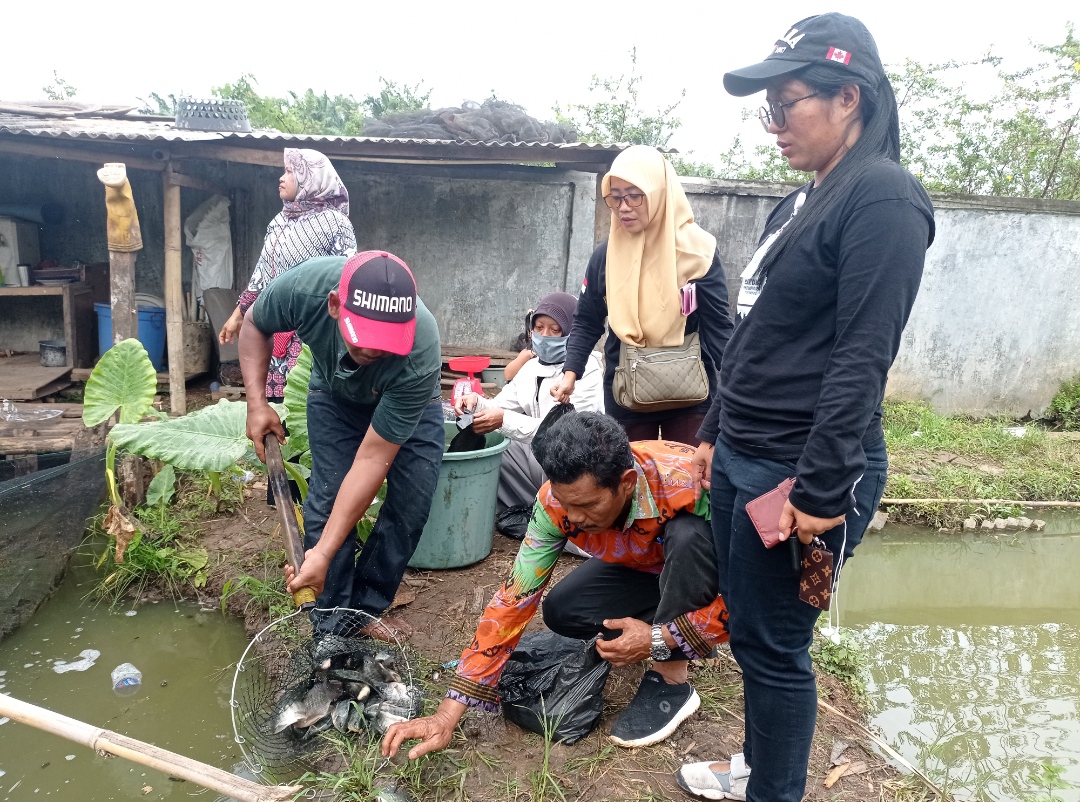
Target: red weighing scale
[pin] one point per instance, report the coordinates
(470, 365)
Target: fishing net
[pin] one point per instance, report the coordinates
(44, 507)
(317, 672)
(490, 121)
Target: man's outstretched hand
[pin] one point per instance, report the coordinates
(434, 731)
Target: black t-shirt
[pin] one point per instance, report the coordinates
(711, 320)
(804, 373)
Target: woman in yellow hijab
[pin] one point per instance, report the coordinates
(656, 265)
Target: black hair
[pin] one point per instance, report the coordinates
(880, 139)
(582, 443)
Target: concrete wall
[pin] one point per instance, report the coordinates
(484, 243)
(995, 328)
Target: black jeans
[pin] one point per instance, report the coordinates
(771, 629)
(577, 606)
(368, 581)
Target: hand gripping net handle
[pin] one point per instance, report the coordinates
(290, 530)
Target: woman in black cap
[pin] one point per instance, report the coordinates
(823, 303)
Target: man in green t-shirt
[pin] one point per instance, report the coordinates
(374, 412)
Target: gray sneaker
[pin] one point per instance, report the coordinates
(701, 781)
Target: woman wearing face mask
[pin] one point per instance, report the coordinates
(636, 282)
(517, 411)
(314, 221)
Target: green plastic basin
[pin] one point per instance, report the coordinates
(462, 518)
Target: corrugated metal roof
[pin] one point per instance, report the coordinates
(121, 130)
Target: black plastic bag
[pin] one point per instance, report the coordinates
(554, 681)
(555, 414)
(466, 439)
(514, 521)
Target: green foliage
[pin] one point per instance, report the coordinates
(845, 660)
(392, 98)
(123, 379)
(1023, 140)
(1048, 779)
(617, 115)
(161, 487)
(59, 89)
(311, 112)
(165, 547)
(941, 456)
(296, 392)
(1065, 408)
(209, 439)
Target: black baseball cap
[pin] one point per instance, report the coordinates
(378, 302)
(824, 39)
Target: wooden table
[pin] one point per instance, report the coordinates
(78, 313)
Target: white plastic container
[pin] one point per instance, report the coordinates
(126, 679)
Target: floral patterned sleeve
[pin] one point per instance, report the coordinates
(344, 243)
(507, 615)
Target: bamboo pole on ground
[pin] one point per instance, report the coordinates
(1002, 501)
(174, 296)
(170, 763)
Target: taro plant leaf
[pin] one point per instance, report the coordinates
(161, 488)
(123, 379)
(210, 439)
(296, 391)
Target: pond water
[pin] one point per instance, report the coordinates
(974, 649)
(186, 655)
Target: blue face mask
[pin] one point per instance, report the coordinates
(549, 350)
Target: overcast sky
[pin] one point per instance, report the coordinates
(535, 53)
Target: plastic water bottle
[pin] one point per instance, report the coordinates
(126, 679)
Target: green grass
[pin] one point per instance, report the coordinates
(937, 456)
(1065, 408)
(165, 548)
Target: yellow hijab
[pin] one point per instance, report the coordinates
(646, 270)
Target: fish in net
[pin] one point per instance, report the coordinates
(299, 690)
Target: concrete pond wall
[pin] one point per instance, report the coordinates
(994, 330)
(996, 326)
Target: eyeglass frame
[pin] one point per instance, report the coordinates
(625, 197)
(775, 111)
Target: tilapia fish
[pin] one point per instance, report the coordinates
(303, 711)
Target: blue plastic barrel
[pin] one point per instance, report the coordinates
(462, 519)
(151, 332)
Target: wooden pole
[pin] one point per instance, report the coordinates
(174, 296)
(125, 323)
(170, 763)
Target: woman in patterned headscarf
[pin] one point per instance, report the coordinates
(313, 221)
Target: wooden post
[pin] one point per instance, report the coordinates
(174, 296)
(125, 323)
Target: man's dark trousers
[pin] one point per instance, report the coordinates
(368, 581)
(577, 606)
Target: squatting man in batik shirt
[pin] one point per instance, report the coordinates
(373, 412)
(649, 591)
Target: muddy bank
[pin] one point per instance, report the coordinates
(503, 762)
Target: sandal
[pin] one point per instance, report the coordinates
(388, 629)
(701, 781)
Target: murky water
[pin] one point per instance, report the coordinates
(186, 656)
(974, 647)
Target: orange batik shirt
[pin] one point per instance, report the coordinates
(664, 488)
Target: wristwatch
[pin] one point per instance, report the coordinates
(659, 650)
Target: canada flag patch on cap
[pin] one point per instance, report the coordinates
(838, 55)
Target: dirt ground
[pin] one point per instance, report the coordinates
(494, 760)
